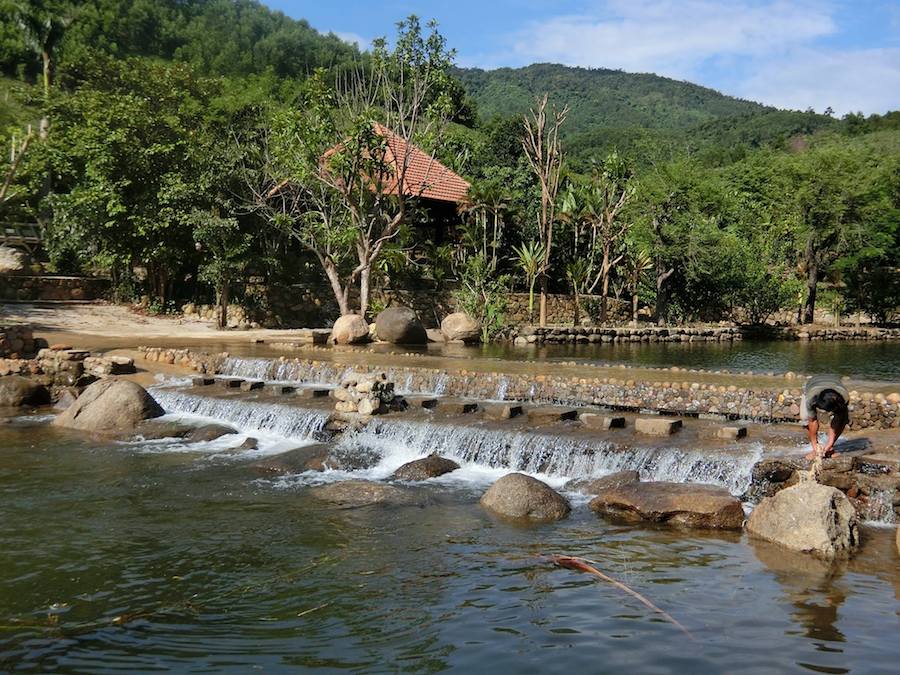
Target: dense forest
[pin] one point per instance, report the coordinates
(177, 146)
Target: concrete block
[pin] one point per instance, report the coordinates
(457, 407)
(502, 411)
(229, 382)
(310, 392)
(251, 385)
(282, 389)
(202, 381)
(658, 426)
(427, 402)
(551, 414)
(601, 422)
(731, 433)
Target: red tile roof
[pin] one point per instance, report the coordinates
(425, 176)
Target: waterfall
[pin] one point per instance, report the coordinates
(560, 456)
(247, 416)
(880, 507)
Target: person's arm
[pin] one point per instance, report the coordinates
(812, 430)
(838, 424)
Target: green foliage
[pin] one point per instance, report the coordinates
(483, 295)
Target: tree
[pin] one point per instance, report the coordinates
(638, 262)
(578, 274)
(600, 228)
(545, 157)
(530, 257)
(225, 248)
(338, 170)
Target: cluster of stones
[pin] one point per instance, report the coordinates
(238, 316)
(36, 288)
(366, 395)
(870, 480)
(804, 333)
(594, 334)
(18, 341)
(76, 367)
(401, 326)
(202, 362)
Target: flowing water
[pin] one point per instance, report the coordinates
(154, 555)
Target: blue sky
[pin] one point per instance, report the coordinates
(796, 54)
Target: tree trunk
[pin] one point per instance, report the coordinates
(223, 306)
(577, 310)
(363, 291)
(634, 308)
(340, 293)
(812, 281)
(662, 294)
(604, 296)
(543, 318)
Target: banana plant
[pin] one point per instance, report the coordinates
(530, 259)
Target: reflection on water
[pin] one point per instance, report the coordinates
(118, 560)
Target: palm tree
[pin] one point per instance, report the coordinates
(530, 259)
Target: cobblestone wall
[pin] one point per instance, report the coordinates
(24, 288)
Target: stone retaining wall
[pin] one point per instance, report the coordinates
(594, 334)
(668, 397)
(17, 341)
(22, 288)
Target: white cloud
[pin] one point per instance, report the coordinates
(353, 39)
(670, 37)
(849, 81)
(773, 51)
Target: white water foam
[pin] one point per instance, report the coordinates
(557, 458)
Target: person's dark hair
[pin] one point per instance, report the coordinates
(830, 401)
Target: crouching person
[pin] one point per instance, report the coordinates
(824, 393)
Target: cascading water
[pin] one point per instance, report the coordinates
(552, 455)
(248, 416)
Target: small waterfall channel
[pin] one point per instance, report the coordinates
(247, 416)
(553, 455)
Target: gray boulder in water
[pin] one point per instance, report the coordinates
(427, 467)
(108, 406)
(400, 325)
(366, 493)
(809, 518)
(597, 485)
(459, 326)
(684, 504)
(16, 391)
(308, 458)
(516, 495)
(350, 329)
(209, 432)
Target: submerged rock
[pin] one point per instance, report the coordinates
(308, 458)
(516, 495)
(459, 326)
(350, 329)
(16, 391)
(209, 432)
(400, 325)
(366, 493)
(435, 335)
(684, 504)
(427, 467)
(152, 430)
(597, 485)
(110, 405)
(809, 518)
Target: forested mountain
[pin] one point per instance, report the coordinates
(643, 115)
(217, 37)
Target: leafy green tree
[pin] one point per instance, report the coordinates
(339, 171)
(224, 249)
(126, 151)
(530, 257)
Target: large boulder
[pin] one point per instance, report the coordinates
(350, 329)
(684, 504)
(16, 390)
(400, 325)
(299, 460)
(427, 467)
(209, 432)
(809, 518)
(597, 485)
(898, 540)
(366, 493)
(460, 327)
(110, 405)
(516, 495)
